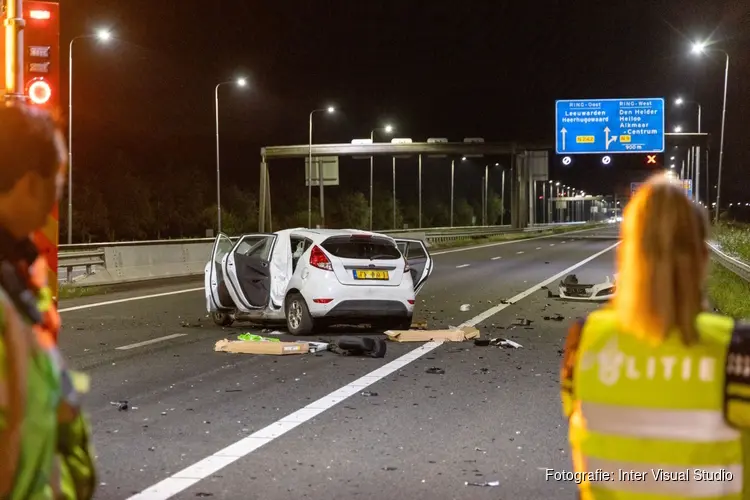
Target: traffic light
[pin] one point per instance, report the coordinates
(42, 53)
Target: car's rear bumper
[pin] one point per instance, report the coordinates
(367, 309)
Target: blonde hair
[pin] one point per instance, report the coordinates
(661, 263)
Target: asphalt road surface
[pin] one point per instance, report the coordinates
(323, 426)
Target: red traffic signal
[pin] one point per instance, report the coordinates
(42, 53)
(39, 91)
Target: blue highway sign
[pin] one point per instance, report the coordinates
(609, 126)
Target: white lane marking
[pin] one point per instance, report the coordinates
(184, 479)
(462, 265)
(496, 258)
(188, 290)
(519, 253)
(509, 242)
(128, 299)
(551, 244)
(538, 248)
(152, 341)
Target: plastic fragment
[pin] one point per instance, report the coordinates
(486, 484)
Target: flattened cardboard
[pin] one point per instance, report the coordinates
(272, 348)
(458, 335)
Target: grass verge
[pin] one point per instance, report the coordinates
(734, 239)
(74, 292)
(729, 293)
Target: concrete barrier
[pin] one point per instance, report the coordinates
(129, 262)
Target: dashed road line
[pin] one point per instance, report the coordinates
(496, 258)
(148, 342)
(462, 265)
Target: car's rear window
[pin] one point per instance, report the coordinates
(347, 247)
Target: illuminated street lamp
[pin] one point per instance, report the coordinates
(463, 158)
(678, 129)
(700, 48)
(329, 110)
(103, 36)
(388, 129)
(240, 82)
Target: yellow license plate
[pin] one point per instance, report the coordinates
(361, 274)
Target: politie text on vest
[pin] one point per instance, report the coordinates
(612, 364)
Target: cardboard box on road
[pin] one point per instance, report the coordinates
(456, 335)
(273, 348)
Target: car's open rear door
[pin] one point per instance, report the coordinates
(248, 271)
(419, 260)
(217, 295)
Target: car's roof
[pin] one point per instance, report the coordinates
(321, 234)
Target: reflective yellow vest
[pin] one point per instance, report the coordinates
(649, 423)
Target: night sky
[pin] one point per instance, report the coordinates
(451, 69)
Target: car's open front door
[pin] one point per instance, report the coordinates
(419, 260)
(217, 295)
(248, 271)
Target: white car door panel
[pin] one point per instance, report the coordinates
(217, 295)
(419, 260)
(248, 270)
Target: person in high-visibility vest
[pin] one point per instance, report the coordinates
(657, 390)
(45, 450)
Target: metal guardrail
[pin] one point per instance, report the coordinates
(84, 259)
(733, 264)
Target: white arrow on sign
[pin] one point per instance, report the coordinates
(563, 131)
(608, 139)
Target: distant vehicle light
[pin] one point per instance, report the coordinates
(40, 92)
(40, 14)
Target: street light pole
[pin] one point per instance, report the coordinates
(309, 175)
(218, 164)
(102, 35)
(372, 141)
(453, 174)
(240, 82)
(721, 144)
(329, 109)
(70, 141)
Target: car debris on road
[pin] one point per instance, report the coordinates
(448, 335)
(571, 289)
(497, 342)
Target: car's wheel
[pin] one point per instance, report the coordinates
(298, 319)
(223, 318)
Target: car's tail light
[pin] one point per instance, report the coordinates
(319, 259)
(322, 301)
(411, 301)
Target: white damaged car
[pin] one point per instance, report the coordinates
(316, 277)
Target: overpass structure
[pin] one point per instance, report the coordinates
(529, 162)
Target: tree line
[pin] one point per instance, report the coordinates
(123, 203)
